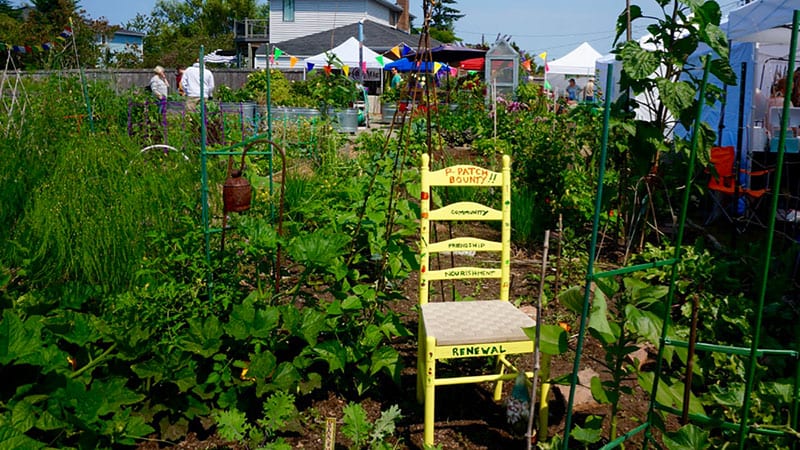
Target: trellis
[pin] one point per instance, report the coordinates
(745, 427)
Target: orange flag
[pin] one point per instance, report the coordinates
(327, 70)
(292, 61)
(527, 64)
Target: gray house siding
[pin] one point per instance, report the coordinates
(313, 16)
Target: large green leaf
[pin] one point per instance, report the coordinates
(643, 323)
(262, 365)
(676, 96)
(637, 62)
(716, 39)
(572, 298)
(313, 323)
(721, 69)
(591, 432)
(332, 352)
(20, 339)
(385, 357)
(552, 338)
(670, 393)
(598, 319)
(688, 437)
(13, 438)
(204, 336)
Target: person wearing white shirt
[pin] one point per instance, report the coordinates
(190, 82)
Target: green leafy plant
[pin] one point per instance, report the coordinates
(363, 434)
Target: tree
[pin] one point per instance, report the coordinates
(175, 29)
(443, 20)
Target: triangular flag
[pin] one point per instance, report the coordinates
(546, 67)
(527, 64)
(436, 67)
(543, 55)
(406, 49)
(547, 85)
(396, 51)
(346, 70)
(327, 69)
(472, 72)
(363, 66)
(278, 52)
(309, 67)
(453, 71)
(379, 58)
(292, 61)
(271, 59)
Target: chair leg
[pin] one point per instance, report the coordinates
(430, 387)
(421, 369)
(498, 386)
(544, 408)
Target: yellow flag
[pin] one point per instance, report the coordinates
(396, 51)
(543, 55)
(346, 69)
(292, 61)
(436, 67)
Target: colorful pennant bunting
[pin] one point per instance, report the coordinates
(396, 51)
(406, 50)
(292, 61)
(379, 58)
(278, 52)
(543, 55)
(309, 67)
(346, 69)
(527, 64)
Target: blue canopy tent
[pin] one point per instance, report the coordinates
(406, 65)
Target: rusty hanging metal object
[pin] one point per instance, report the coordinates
(237, 193)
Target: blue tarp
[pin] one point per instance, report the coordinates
(406, 65)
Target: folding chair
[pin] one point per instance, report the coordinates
(452, 330)
(737, 201)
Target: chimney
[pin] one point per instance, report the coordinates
(403, 22)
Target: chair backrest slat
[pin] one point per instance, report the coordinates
(465, 175)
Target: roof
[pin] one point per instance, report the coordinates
(380, 38)
(129, 32)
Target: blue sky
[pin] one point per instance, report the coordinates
(535, 25)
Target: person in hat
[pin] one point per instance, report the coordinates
(158, 83)
(588, 91)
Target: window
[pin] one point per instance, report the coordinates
(288, 10)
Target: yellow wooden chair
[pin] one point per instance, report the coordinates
(472, 328)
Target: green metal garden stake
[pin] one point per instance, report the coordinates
(592, 253)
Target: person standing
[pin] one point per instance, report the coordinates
(588, 90)
(191, 85)
(572, 90)
(158, 83)
(396, 80)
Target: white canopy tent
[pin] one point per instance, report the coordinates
(580, 61)
(347, 53)
(578, 64)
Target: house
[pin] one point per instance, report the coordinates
(291, 19)
(121, 41)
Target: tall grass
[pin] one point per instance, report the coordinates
(78, 204)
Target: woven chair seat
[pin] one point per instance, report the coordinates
(475, 322)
